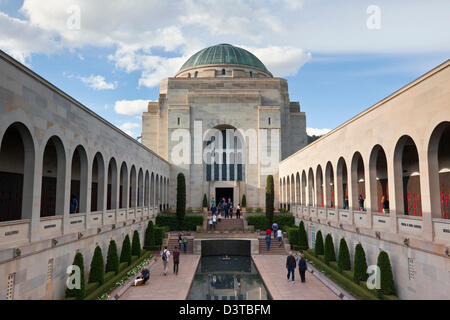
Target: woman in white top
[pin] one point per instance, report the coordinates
(280, 236)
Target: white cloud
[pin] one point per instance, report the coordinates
(317, 132)
(98, 83)
(129, 128)
(131, 107)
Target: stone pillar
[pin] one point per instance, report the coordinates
(32, 185)
(426, 194)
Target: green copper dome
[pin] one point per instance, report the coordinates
(223, 54)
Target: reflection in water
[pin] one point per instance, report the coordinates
(227, 278)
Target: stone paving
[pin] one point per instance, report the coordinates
(273, 270)
(170, 287)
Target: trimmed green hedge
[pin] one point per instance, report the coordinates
(303, 240)
(359, 264)
(189, 223)
(293, 236)
(260, 221)
(97, 270)
(108, 284)
(159, 234)
(387, 279)
(78, 293)
(91, 287)
(125, 254)
(136, 244)
(149, 240)
(330, 255)
(112, 259)
(343, 256)
(319, 249)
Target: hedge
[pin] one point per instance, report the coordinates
(149, 240)
(136, 244)
(260, 221)
(319, 250)
(205, 201)
(97, 270)
(78, 293)
(112, 259)
(125, 254)
(244, 201)
(343, 256)
(387, 279)
(303, 241)
(107, 285)
(293, 236)
(181, 196)
(330, 255)
(189, 223)
(360, 264)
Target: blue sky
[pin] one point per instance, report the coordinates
(335, 58)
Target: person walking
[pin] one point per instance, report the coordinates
(185, 244)
(238, 211)
(268, 242)
(214, 220)
(180, 240)
(176, 260)
(165, 255)
(280, 236)
(302, 266)
(290, 266)
(275, 229)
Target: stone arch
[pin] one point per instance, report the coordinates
(146, 189)
(97, 183)
(304, 188)
(319, 187)
(123, 189)
(378, 178)
(311, 192)
(342, 184)
(140, 188)
(112, 183)
(357, 174)
(329, 185)
(133, 187)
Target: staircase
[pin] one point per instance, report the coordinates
(274, 247)
(230, 225)
(173, 241)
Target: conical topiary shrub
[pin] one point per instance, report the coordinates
(181, 197)
(77, 293)
(125, 254)
(330, 255)
(359, 264)
(387, 279)
(205, 201)
(344, 256)
(136, 244)
(244, 201)
(112, 259)
(303, 241)
(270, 198)
(97, 270)
(318, 249)
(149, 240)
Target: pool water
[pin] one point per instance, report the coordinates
(235, 278)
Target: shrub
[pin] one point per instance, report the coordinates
(318, 249)
(344, 256)
(359, 264)
(270, 198)
(293, 236)
(387, 279)
(244, 201)
(149, 240)
(250, 209)
(260, 221)
(97, 270)
(259, 210)
(181, 196)
(303, 241)
(81, 292)
(189, 223)
(159, 234)
(205, 201)
(112, 259)
(330, 255)
(125, 254)
(136, 244)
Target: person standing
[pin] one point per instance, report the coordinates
(165, 255)
(185, 243)
(302, 266)
(275, 229)
(213, 209)
(176, 260)
(73, 204)
(385, 204)
(290, 266)
(238, 211)
(230, 210)
(280, 236)
(361, 202)
(214, 220)
(268, 242)
(346, 203)
(180, 240)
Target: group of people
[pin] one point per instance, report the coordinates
(277, 235)
(291, 264)
(224, 208)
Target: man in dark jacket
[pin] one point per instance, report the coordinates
(290, 266)
(302, 266)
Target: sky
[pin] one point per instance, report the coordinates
(339, 56)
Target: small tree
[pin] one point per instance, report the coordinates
(81, 291)
(136, 244)
(344, 256)
(387, 278)
(303, 241)
(244, 201)
(205, 201)
(97, 270)
(149, 240)
(181, 197)
(318, 250)
(359, 264)
(270, 198)
(330, 255)
(125, 254)
(112, 259)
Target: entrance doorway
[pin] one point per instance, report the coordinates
(226, 193)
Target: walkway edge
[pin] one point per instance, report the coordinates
(344, 295)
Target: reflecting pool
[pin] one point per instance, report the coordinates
(227, 278)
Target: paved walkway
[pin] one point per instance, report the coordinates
(170, 287)
(273, 270)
